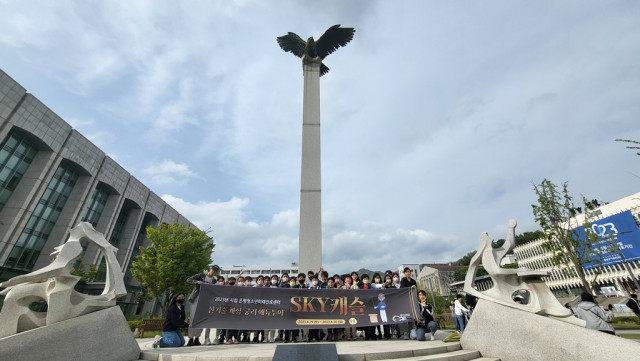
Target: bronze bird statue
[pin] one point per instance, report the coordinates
(316, 51)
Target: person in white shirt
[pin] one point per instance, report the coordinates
(460, 311)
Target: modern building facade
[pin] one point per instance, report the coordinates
(52, 178)
(615, 276)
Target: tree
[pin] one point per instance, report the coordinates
(631, 142)
(466, 259)
(556, 214)
(527, 237)
(175, 254)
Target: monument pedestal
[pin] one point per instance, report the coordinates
(514, 335)
(101, 335)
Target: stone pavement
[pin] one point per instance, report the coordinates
(347, 351)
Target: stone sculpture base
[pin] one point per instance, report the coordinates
(101, 335)
(306, 352)
(513, 335)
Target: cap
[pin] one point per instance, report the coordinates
(215, 267)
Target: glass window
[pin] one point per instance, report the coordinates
(16, 154)
(35, 234)
(118, 228)
(96, 205)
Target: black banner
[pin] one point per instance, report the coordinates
(257, 308)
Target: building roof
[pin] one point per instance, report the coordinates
(444, 266)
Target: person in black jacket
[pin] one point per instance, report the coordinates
(171, 334)
(208, 277)
(633, 304)
(426, 323)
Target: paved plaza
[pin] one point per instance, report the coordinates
(347, 350)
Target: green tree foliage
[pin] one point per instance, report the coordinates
(460, 274)
(369, 272)
(466, 259)
(527, 237)
(89, 275)
(175, 254)
(555, 213)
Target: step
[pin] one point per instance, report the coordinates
(347, 351)
(459, 355)
(417, 349)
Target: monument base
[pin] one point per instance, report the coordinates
(101, 335)
(514, 335)
(306, 352)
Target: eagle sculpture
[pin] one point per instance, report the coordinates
(315, 51)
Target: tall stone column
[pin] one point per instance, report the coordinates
(310, 237)
(312, 54)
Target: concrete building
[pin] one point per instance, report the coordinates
(437, 278)
(52, 178)
(614, 277)
(255, 271)
(431, 277)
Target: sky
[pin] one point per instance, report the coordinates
(437, 119)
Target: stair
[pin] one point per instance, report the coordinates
(347, 351)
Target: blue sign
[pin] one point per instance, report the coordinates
(620, 229)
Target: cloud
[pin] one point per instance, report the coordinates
(436, 119)
(169, 173)
(240, 240)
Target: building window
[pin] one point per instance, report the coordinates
(96, 205)
(35, 234)
(16, 154)
(118, 228)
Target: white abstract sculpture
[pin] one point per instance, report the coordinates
(506, 281)
(55, 284)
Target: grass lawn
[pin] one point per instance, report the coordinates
(632, 337)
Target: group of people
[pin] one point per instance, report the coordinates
(175, 318)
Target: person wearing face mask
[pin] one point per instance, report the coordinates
(377, 284)
(208, 277)
(369, 331)
(302, 283)
(395, 278)
(389, 329)
(377, 281)
(337, 281)
(243, 335)
(285, 282)
(272, 283)
(175, 320)
(258, 335)
(314, 334)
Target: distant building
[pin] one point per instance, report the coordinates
(415, 269)
(620, 219)
(255, 271)
(437, 278)
(52, 178)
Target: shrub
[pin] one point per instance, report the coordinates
(627, 319)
